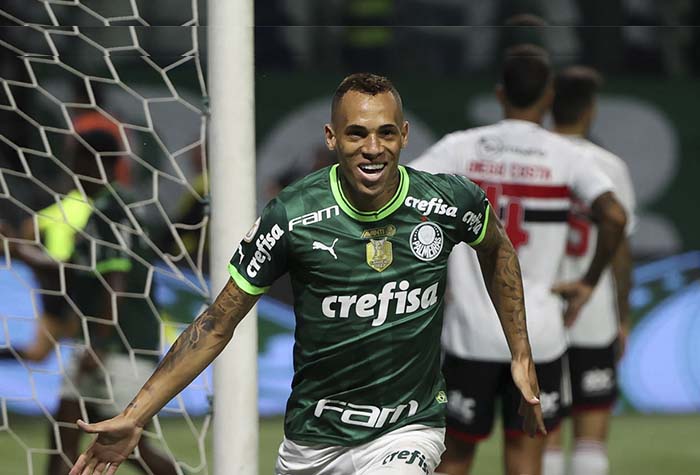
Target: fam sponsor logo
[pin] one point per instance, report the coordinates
(473, 221)
(403, 301)
(435, 205)
(264, 244)
(461, 407)
(409, 457)
(595, 381)
(314, 217)
(426, 241)
(365, 415)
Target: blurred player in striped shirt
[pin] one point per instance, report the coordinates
(597, 337)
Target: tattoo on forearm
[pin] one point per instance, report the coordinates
(501, 270)
(510, 291)
(220, 317)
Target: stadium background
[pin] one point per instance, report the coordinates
(446, 74)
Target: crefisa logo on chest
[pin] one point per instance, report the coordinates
(426, 241)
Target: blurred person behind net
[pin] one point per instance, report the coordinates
(98, 246)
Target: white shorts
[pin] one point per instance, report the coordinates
(108, 389)
(410, 450)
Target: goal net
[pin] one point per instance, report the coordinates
(102, 133)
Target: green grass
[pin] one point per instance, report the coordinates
(639, 445)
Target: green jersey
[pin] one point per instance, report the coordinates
(368, 298)
(94, 238)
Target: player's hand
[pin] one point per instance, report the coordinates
(116, 439)
(576, 295)
(525, 378)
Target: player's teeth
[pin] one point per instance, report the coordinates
(377, 166)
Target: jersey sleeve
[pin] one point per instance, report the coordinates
(442, 157)
(473, 210)
(588, 182)
(261, 256)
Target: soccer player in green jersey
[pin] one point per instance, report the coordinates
(365, 243)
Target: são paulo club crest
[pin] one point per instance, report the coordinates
(426, 241)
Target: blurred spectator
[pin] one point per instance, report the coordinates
(107, 291)
(369, 35)
(88, 118)
(271, 49)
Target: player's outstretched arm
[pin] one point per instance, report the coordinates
(611, 219)
(501, 271)
(196, 347)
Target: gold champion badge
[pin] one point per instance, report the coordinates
(379, 254)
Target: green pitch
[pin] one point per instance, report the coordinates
(640, 445)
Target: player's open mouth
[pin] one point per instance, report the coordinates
(372, 168)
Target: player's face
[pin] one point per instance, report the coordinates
(368, 133)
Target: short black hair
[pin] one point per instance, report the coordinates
(84, 159)
(525, 74)
(365, 83)
(574, 90)
(100, 140)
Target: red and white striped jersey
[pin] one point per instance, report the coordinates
(597, 324)
(531, 176)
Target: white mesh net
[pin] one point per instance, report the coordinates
(102, 115)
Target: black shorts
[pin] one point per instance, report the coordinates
(473, 387)
(593, 377)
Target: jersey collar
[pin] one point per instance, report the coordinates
(365, 216)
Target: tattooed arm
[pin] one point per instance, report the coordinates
(501, 271)
(196, 347)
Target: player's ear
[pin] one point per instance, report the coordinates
(330, 136)
(548, 96)
(500, 95)
(404, 134)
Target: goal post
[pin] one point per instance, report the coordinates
(232, 181)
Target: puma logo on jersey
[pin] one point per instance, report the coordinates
(320, 246)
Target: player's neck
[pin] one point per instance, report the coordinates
(366, 201)
(571, 129)
(529, 115)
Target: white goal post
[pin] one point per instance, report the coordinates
(232, 179)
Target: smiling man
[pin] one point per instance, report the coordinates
(366, 244)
